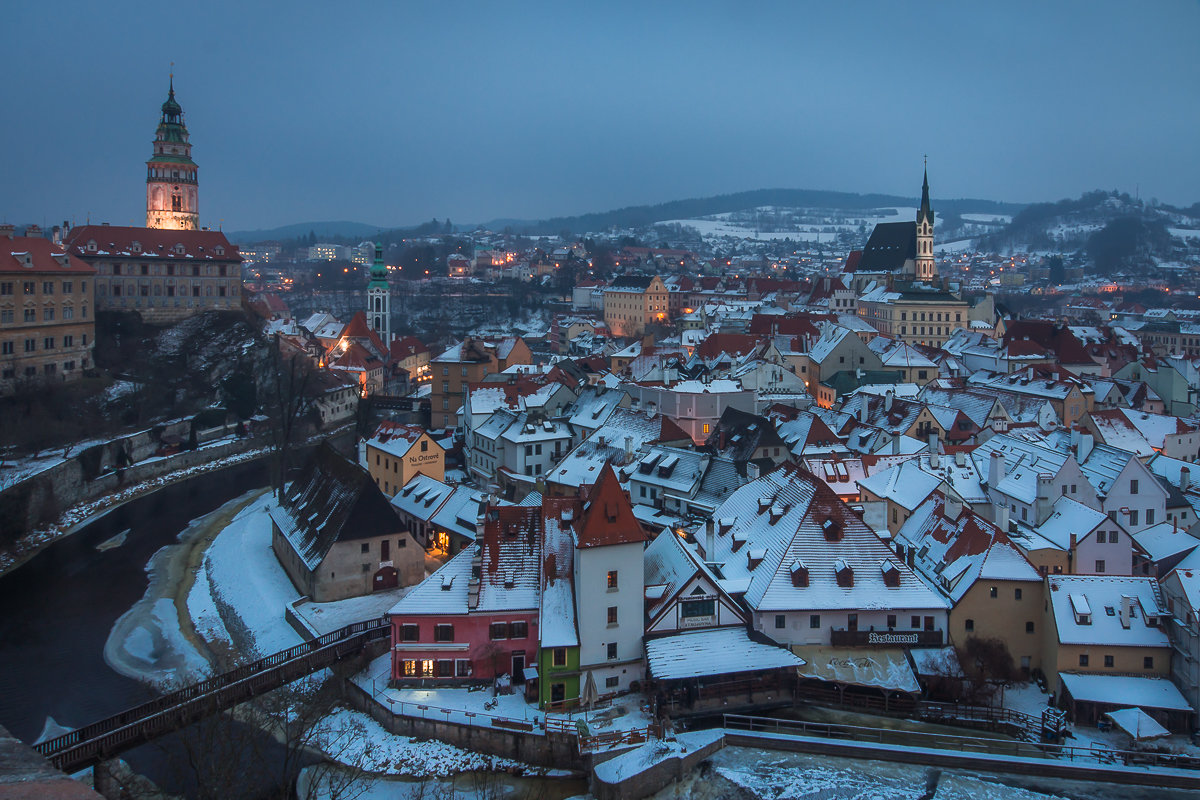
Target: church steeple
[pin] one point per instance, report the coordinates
(379, 299)
(172, 186)
(925, 268)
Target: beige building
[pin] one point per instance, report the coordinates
(915, 313)
(468, 361)
(164, 275)
(396, 453)
(46, 311)
(631, 302)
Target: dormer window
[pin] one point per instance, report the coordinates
(799, 574)
(891, 573)
(739, 539)
(755, 556)
(91, 246)
(844, 573)
(135, 247)
(832, 530)
(219, 250)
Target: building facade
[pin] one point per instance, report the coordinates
(46, 325)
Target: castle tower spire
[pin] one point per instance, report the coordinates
(172, 187)
(379, 299)
(925, 268)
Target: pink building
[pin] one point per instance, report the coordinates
(476, 618)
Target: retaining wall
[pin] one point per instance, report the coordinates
(553, 750)
(654, 778)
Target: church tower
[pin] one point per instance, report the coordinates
(172, 189)
(925, 268)
(379, 299)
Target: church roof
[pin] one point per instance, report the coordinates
(890, 245)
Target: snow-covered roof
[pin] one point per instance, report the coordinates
(1124, 689)
(1069, 517)
(905, 484)
(1137, 723)
(1107, 610)
(720, 651)
(443, 592)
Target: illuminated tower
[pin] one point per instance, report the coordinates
(172, 189)
(926, 270)
(379, 299)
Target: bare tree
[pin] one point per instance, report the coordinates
(288, 405)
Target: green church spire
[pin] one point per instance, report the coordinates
(379, 276)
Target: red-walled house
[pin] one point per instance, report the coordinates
(476, 618)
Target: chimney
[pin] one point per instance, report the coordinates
(1000, 516)
(1045, 501)
(6, 231)
(960, 459)
(995, 469)
(1126, 610)
(862, 408)
(887, 400)
(1185, 478)
(1086, 442)
(953, 506)
(628, 449)
(896, 445)
(752, 471)
(33, 231)
(935, 460)
(710, 539)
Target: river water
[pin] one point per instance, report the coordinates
(56, 610)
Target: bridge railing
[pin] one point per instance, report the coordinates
(125, 721)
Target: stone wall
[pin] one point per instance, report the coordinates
(655, 777)
(554, 750)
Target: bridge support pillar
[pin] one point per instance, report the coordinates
(107, 779)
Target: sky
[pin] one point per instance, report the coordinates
(391, 113)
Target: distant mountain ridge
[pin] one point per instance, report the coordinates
(294, 231)
(647, 215)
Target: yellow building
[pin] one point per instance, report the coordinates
(46, 311)
(915, 313)
(396, 453)
(631, 302)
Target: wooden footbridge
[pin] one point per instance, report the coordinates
(135, 726)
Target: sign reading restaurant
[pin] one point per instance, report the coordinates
(892, 638)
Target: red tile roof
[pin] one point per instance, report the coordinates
(112, 240)
(608, 515)
(36, 255)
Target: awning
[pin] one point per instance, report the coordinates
(719, 651)
(879, 668)
(531, 673)
(1124, 690)
(941, 661)
(1137, 723)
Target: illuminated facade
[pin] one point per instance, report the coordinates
(172, 188)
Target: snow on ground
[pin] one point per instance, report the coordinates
(468, 706)
(353, 738)
(1002, 219)
(202, 609)
(961, 246)
(247, 585)
(1185, 233)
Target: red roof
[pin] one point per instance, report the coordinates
(608, 515)
(786, 324)
(408, 346)
(852, 261)
(357, 328)
(732, 343)
(389, 430)
(35, 254)
(139, 243)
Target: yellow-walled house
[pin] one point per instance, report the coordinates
(396, 452)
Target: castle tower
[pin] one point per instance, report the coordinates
(925, 267)
(379, 299)
(172, 189)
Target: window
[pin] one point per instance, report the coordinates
(611, 650)
(6, 315)
(1099, 565)
(443, 633)
(891, 621)
(1148, 662)
(1149, 517)
(706, 428)
(66, 287)
(366, 568)
(48, 343)
(445, 668)
(1108, 661)
(7, 348)
(993, 592)
(462, 668)
(612, 615)
(698, 608)
(47, 287)
(28, 287)
(915, 622)
(1113, 535)
(1133, 517)
(612, 579)
(1133, 487)
(1101, 536)
(518, 630)
(970, 625)
(498, 631)
(30, 345)
(366, 547)
(780, 621)
(558, 657)
(68, 313)
(814, 621)
(1016, 594)
(1029, 627)
(48, 314)
(612, 682)
(30, 315)
(6, 287)
(1083, 659)
(410, 632)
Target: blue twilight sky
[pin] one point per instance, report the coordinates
(393, 112)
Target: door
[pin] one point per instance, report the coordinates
(385, 578)
(558, 692)
(518, 667)
(385, 550)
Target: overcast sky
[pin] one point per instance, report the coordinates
(390, 113)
